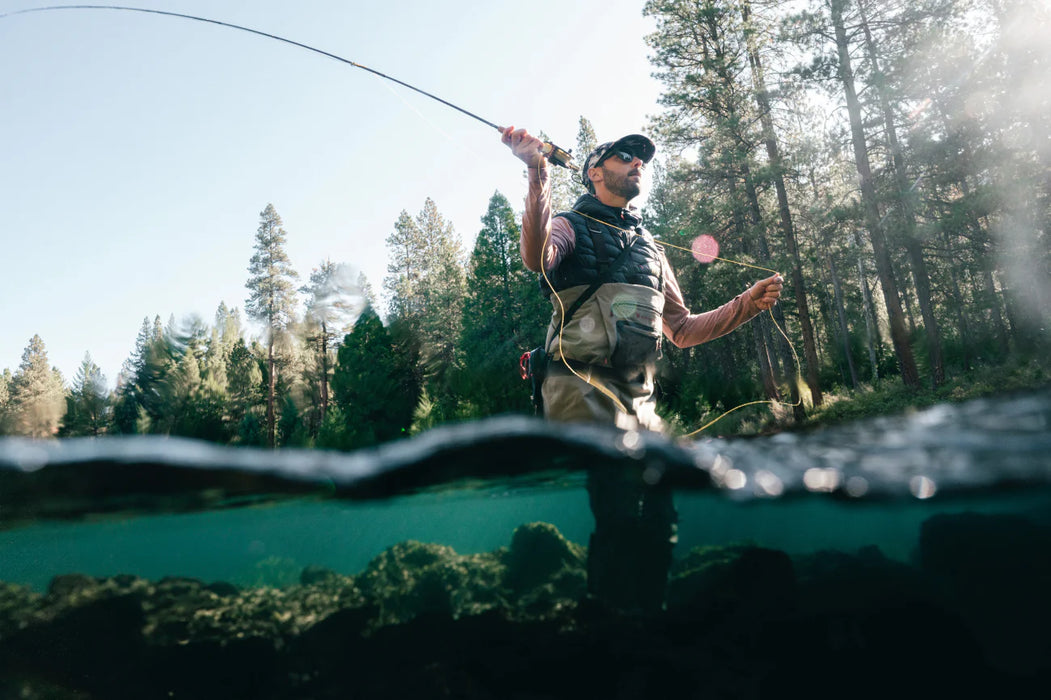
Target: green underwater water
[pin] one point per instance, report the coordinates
(269, 545)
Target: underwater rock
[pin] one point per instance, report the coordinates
(413, 578)
(67, 585)
(539, 552)
(317, 574)
(545, 572)
(995, 569)
(735, 577)
(223, 589)
(423, 621)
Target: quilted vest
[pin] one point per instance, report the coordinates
(599, 240)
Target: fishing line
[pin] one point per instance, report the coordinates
(791, 346)
(562, 319)
(553, 153)
(770, 311)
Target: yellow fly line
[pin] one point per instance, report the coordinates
(606, 392)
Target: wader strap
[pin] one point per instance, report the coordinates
(603, 279)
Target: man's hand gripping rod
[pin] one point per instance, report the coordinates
(554, 154)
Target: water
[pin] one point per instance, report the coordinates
(936, 520)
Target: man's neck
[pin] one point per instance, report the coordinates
(610, 199)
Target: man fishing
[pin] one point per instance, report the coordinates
(613, 295)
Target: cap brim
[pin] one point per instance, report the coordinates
(637, 144)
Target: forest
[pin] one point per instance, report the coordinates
(891, 159)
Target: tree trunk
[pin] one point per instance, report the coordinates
(871, 327)
(784, 212)
(899, 334)
(765, 370)
(921, 278)
(271, 422)
(961, 317)
(324, 371)
(844, 329)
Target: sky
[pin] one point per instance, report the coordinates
(138, 150)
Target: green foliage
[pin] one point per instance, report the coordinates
(334, 300)
(272, 297)
(272, 293)
(503, 315)
(425, 291)
(5, 399)
(36, 403)
(375, 385)
(88, 403)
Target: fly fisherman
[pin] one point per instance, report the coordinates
(617, 294)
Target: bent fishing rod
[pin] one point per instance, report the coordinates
(553, 153)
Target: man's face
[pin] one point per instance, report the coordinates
(622, 174)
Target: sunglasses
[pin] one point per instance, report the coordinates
(624, 156)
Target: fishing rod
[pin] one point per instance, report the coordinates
(553, 153)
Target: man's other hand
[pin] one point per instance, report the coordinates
(765, 293)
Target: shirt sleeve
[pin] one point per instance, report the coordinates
(686, 329)
(538, 225)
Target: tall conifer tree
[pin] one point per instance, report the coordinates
(333, 301)
(272, 298)
(375, 384)
(503, 315)
(37, 401)
(88, 402)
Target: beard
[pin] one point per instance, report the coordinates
(620, 185)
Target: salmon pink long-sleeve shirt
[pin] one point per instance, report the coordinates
(682, 327)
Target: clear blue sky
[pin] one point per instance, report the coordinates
(138, 150)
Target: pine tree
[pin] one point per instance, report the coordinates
(5, 399)
(442, 289)
(333, 302)
(375, 386)
(88, 404)
(272, 298)
(425, 289)
(406, 247)
(246, 392)
(870, 201)
(586, 140)
(504, 314)
(37, 401)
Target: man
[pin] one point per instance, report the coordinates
(613, 294)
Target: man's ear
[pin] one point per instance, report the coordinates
(595, 175)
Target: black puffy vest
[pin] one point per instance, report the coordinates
(598, 243)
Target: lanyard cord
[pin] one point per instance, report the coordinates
(663, 244)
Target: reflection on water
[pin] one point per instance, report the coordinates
(915, 551)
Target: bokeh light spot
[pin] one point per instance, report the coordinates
(705, 248)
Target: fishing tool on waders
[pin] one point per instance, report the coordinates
(552, 152)
(533, 367)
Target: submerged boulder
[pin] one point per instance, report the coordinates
(995, 570)
(545, 571)
(539, 553)
(412, 578)
(732, 577)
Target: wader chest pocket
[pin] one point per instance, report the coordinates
(636, 345)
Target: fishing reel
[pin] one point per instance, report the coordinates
(558, 156)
